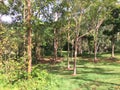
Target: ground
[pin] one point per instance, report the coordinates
(103, 75)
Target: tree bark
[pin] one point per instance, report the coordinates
(55, 45)
(29, 37)
(68, 52)
(95, 45)
(75, 53)
(80, 46)
(96, 37)
(113, 47)
(72, 49)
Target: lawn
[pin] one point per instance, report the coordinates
(104, 75)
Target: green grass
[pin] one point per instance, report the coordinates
(104, 75)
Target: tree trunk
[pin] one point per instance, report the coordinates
(95, 51)
(68, 52)
(72, 49)
(80, 47)
(95, 45)
(55, 45)
(113, 47)
(29, 37)
(75, 54)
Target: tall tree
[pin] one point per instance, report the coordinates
(112, 25)
(29, 35)
(102, 8)
(78, 13)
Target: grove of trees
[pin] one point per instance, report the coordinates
(53, 29)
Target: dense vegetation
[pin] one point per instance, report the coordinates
(59, 44)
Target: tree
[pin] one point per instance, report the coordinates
(102, 9)
(113, 24)
(78, 13)
(29, 35)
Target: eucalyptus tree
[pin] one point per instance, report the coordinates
(78, 9)
(112, 27)
(98, 12)
(61, 12)
(23, 15)
(29, 35)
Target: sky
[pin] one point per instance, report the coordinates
(6, 2)
(6, 18)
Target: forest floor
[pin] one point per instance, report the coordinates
(103, 75)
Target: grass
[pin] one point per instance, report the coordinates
(104, 75)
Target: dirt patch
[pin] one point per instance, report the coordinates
(51, 60)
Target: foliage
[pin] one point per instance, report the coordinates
(18, 79)
(55, 24)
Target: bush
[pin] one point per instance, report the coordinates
(16, 78)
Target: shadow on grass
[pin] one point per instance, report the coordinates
(85, 71)
(82, 63)
(81, 68)
(95, 81)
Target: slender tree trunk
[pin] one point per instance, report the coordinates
(29, 37)
(72, 49)
(95, 51)
(113, 55)
(55, 45)
(80, 46)
(113, 47)
(68, 52)
(24, 36)
(75, 55)
(95, 46)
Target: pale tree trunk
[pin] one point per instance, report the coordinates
(113, 47)
(80, 46)
(75, 55)
(72, 49)
(96, 38)
(68, 52)
(29, 37)
(95, 45)
(24, 36)
(95, 51)
(55, 45)
(76, 43)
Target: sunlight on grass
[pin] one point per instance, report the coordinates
(103, 75)
(108, 55)
(93, 76)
